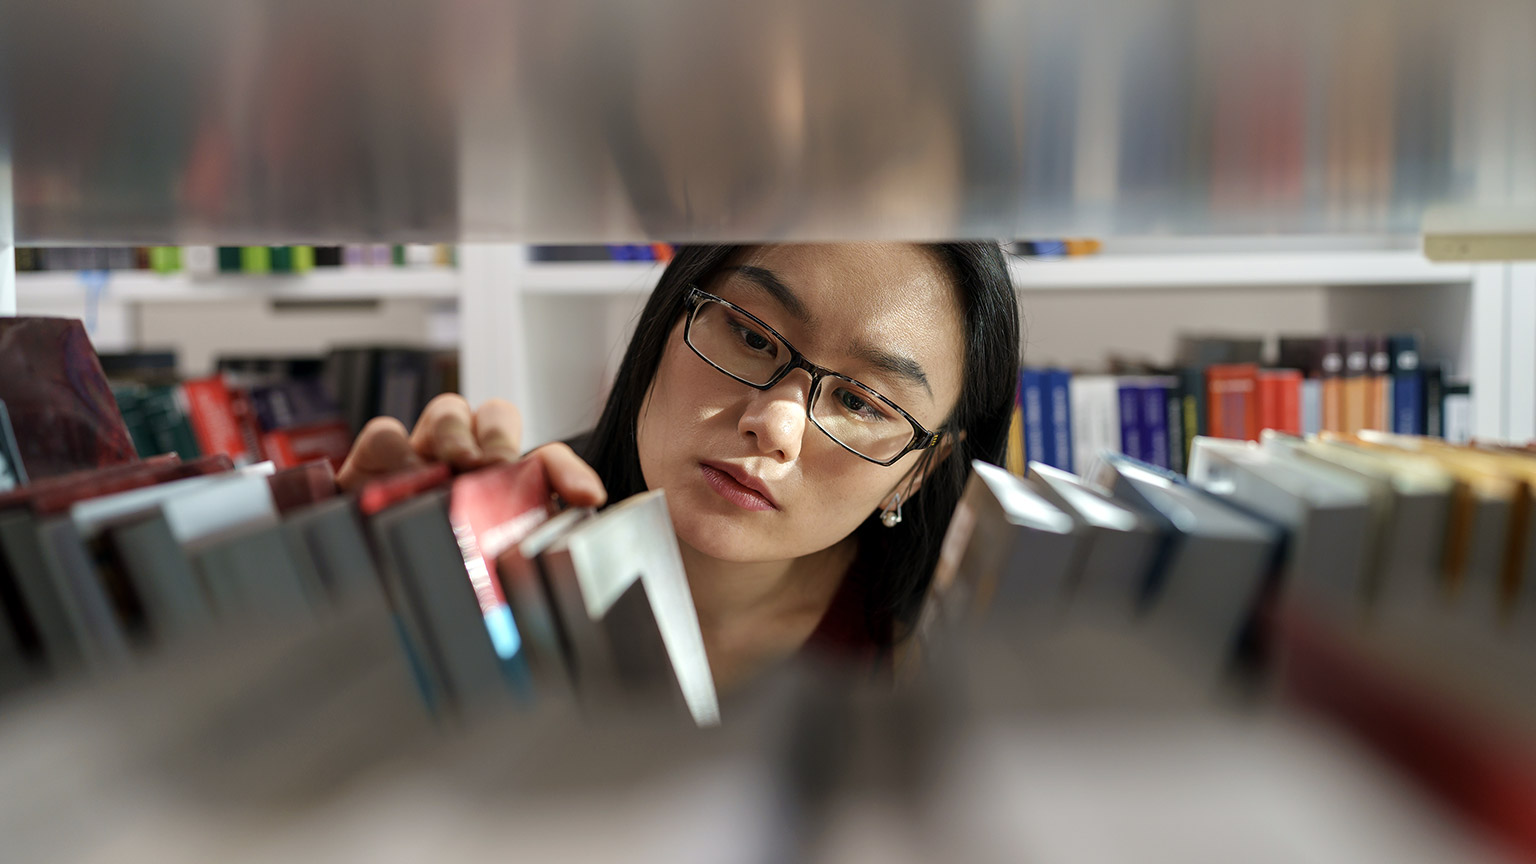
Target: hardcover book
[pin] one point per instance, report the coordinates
(60, 404)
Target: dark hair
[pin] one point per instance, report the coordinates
(977, 428)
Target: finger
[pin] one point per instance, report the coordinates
(571, 477)
(445, 432)
(381, 448)
(498, 427)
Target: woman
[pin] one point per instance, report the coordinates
(811, 412)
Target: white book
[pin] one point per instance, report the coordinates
(1312, 406)
(1095, 420)
(634, 540)
(1329, 515)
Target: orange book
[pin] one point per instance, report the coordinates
(1378, 410)
(1280, 400)
(1333, 384)
(1233, 400)
(1357, 385)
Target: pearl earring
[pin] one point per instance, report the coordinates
(891, 518)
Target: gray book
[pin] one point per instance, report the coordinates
(1329, 517)
(333, 534)
(1010, 556)
(1119, 550)
(252, 573)
(422, 565)
(174, 604)
(43, 622)
(524, 586)
(1213, 571)
(634, 540)
(98, 625)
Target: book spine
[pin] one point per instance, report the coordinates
(1356, 386)
(1196, 415)
(1333, 384)
(1059, 383)
(1016, 456)
(1154, 424)
(1311, 406)
(1379, 395)
(1174, 410)
(1130, 420)
(1033, 396)
(1407, 387)
(1434, 401)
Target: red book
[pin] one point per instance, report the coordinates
(376, 495)
(492, 510)
(23, 495)
(303, 485)
(290, 447)
(60, 404)
(1233, 400)
(1465, 744)
(61, 498)
(211, 410)
(1280, 400)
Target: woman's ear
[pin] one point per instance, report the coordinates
(926, 464)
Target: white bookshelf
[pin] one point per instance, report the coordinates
(548, 335)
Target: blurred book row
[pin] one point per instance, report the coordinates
(1359, 131)
(1220, 387)
(286, 410)
(495, 596)
(1386, 581)
(210, 260)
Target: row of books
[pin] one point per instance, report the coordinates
(1394, 576)
(570, 253)
(496, 595)
(1064, 248)
(209, 260)
(1355, 133)
(1330, 384)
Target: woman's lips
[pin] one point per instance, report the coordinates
(733, 490)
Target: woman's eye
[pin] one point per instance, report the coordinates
(856, 404)
(751, 338)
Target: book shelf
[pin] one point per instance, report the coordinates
(505, 310)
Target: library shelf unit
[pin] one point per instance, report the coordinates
(548, 335)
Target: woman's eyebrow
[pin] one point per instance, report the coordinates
(896, 364)
(770, 282)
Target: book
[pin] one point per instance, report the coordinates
(1407, 385)
(1333, 384)
(1015, 454)
(492, 510)
(1119, 548)
(1057, 409)
(211, 411)
(1203, 598)
(1356, 385)
(633, 541)
(524, 585)
(1010, 557)
(1131, 443)
(1280, 398)
(1038, 439)
(1233, 401)
(60, 405)
(1095, 401)
(1328, 515)
(12, 472)
(1154, 420)
(1379, 385)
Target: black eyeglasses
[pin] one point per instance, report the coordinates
(859, 419)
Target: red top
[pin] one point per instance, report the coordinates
(849, 634)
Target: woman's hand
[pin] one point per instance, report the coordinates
(449, 431)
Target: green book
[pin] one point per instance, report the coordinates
(397, 255)
(229, 259)
(303, 258)
(255, 259)
(130, 404)
(167, 423)
(281, 258)
(165, 259)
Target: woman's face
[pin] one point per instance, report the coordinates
(861, 310)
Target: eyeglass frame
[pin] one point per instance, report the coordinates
(922, 438)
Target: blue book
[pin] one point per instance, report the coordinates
(1058, 413)
(1154, 422)
(1407, 385)
(1131, 443)
(1033, 399)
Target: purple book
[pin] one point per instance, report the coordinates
(61, 407)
